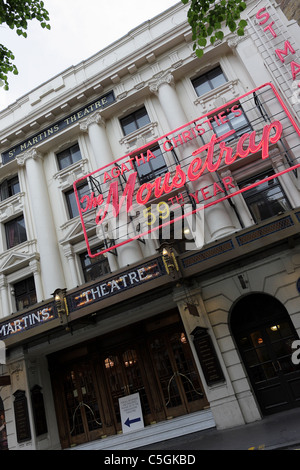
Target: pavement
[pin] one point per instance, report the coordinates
(280, 431)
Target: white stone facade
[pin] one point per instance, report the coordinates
(152, 67)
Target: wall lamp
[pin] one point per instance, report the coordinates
(169, 258)
(61, 303)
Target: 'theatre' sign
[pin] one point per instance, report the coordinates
(177, 175)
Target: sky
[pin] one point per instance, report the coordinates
(79, 29)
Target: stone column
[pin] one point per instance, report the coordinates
(69, 254)
(41, 211)
(239, 201)
(4, 296)
(218, 220)
(36, 270)
(95, 126)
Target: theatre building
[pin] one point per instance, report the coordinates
(149, 242)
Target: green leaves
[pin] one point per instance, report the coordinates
(207, 17)
(16, 14)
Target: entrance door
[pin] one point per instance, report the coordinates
(81, 414)
(176, 373)
(265, 344)
(151, 358)
(126, 374)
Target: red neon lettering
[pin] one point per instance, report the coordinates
(199, 129)
(164, 184)
(223, 117)
(115, 172)
(218, 189)
(167, 149)
(205, 194)
(227, 181)
(271, 29)
(177, 140)
(139, 196)
(264, 15)
(236, 110)
(113, 198)
(106, 177)
(150, 155)
(287, 46)
(295, 68)
(91, 201)
(187, 136)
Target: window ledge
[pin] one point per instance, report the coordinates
(211, 99)
(11, 207)
(141, 136)
(71, 173)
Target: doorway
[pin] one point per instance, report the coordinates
(264, 334)
(151, 358)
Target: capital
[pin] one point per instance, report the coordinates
(29, 154)
(163, 78)
(95, 118)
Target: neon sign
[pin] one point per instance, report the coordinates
(264, 17)
(120, 191)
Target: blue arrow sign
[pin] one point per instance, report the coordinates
(128, 421)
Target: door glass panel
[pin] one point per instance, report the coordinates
(165, 373)
(116, 382)
(134, 379)
(89, 399)
(72, 402)
(185, 367)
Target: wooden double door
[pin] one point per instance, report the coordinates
(87, 384)
(264, 335)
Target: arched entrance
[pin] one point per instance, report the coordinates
(264, 334)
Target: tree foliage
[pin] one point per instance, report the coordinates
(207, 18)
(16, 14)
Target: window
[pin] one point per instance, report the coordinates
(236, 120)
(94, 268)
(71, 199)
(25, 294)
(209, 81)
(9, 187)
(69, 156)
(147, 170)
(266, 199)
(15, 232)
(134, 121)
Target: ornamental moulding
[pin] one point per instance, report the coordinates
(32, 153)
(164, 78)
(95, 118)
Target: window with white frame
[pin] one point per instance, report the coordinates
(265, 200)
(209, 81)
(149, 168)
(9, 187)
(135, 120)
(72, 206)
(25, 293)
(68, 156)
(231, 123)
(15, 231)
(96, 267)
